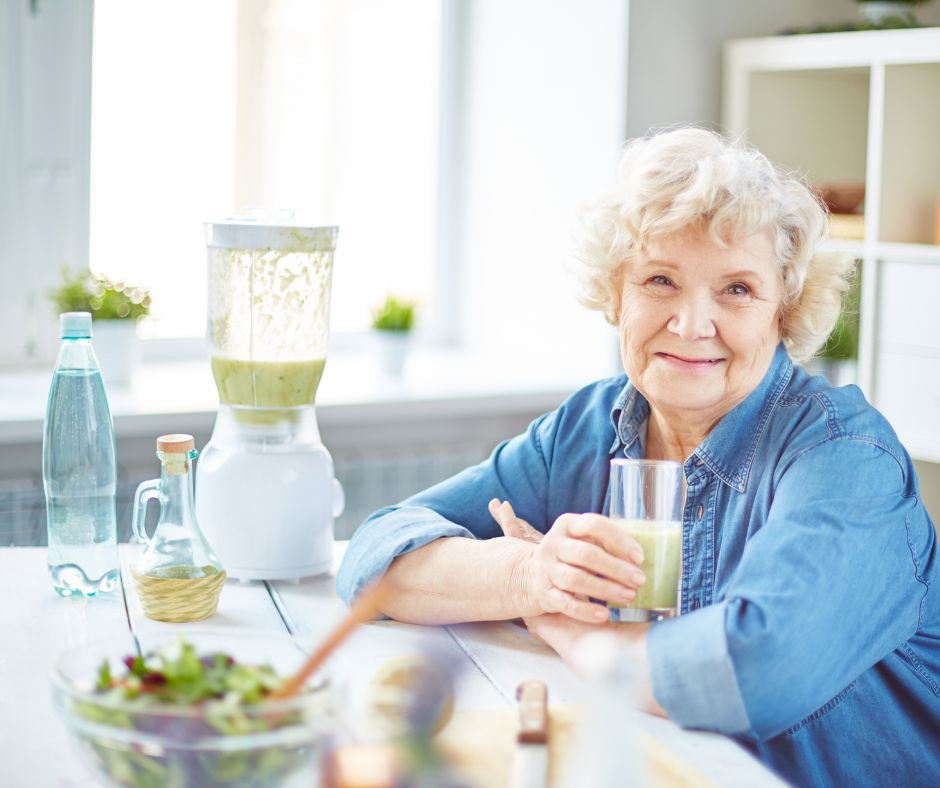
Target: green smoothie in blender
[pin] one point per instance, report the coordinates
(267, 384)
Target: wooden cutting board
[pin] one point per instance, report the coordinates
(480, 743)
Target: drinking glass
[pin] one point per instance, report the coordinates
(646, 499)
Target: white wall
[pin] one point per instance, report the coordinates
(542, 124)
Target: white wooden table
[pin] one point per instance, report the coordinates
(36, 625)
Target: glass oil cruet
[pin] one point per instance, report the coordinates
(178, 577)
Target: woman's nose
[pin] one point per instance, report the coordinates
(694, 317)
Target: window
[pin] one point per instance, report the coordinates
(204, 109)
(338, 108)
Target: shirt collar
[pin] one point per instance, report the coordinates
(728, 450)
(629, 413)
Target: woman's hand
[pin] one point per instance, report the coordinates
(560, 632)
(512, 525)
(582, 555)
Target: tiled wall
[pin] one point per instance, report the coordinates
(369, 482)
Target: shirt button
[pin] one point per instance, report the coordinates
(699, 512)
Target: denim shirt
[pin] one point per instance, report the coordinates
(810, 620)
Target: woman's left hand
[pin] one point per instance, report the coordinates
(511, 525)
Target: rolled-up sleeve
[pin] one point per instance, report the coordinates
(827, 587)
(700, 695)
(517, 470)
(397, 531)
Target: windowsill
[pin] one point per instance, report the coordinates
(435, 382)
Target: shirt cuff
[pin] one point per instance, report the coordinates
(384, 537)
(692, 673)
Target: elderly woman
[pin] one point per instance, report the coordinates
(810, 615)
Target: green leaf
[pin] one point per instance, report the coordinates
(842, 344)
(104, 676)
(394, 314)
(138, 666)
(82, 291)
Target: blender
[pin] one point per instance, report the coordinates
(266, 495)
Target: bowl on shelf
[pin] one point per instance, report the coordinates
(841, 196)
(144, 742)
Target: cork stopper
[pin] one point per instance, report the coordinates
(176, 444)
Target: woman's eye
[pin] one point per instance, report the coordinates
(660, 280)
(738, 289)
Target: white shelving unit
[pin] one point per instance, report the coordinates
(865, 106)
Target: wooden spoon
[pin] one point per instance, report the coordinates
(363, 608)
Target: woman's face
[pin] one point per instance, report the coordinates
(699, 324)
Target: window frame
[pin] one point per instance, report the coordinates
(27, 34)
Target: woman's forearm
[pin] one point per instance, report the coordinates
(456, 579)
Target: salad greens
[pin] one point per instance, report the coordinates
(187, 679)
(189, 748)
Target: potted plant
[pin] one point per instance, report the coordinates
(837, 358)
(878, 12)
(115, 309)
(392, 322)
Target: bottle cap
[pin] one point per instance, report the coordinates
(176, 444)
(75, 325)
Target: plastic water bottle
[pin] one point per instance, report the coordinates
(78, 468)
(608, 747)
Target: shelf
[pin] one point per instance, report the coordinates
(835, 50)
(783, 121)
(910, 166)
(920, 253)
(862, 106)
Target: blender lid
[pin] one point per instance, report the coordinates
(283, 230)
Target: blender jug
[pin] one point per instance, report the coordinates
(266, 496)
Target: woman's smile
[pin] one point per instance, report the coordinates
(691, 364)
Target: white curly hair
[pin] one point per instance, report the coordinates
(693, 180)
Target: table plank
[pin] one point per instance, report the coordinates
(511, 655)
(37, 625)
(312, 608)
(241, 605)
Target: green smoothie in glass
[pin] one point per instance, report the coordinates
(661, 543)
(646, 499)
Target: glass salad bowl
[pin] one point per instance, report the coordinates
(189, 708)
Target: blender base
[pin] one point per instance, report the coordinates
(286, 573)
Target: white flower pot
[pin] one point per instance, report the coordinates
(391, 350)
(117, 348)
